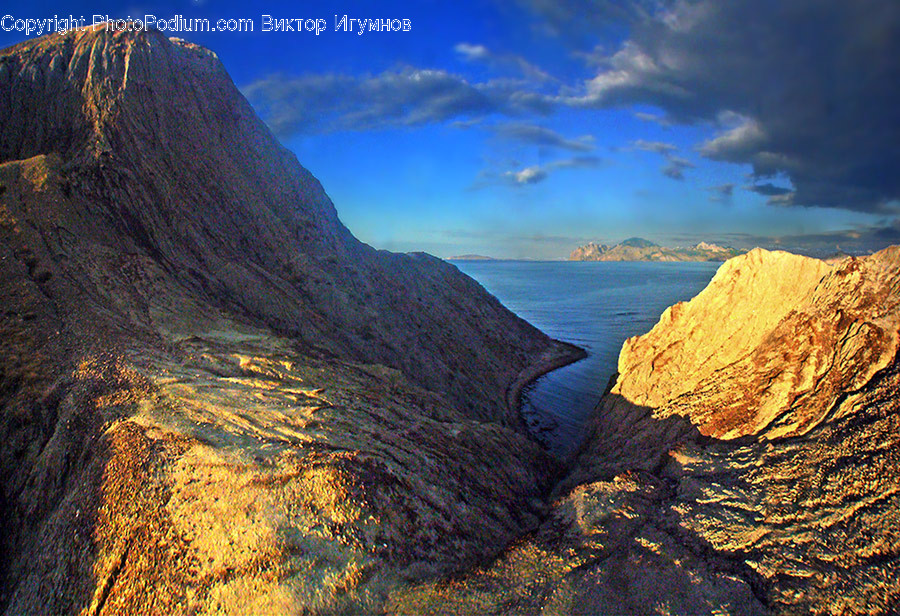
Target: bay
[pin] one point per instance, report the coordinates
(594, 305)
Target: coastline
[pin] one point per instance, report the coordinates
(558, 355)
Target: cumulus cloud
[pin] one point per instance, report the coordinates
(538, 135)
(675, 165)
(528, 175)
(500, 61)
(472, 52)
(721, 193)
(406, 97)
(659, 147)
(805, 89)
(535, 173)
(775, 195)
(742, 141)
(769, 190)
(813, 83)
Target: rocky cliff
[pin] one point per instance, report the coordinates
(214, 398)
(802, 336)
(746, 461)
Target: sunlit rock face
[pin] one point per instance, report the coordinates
(796, 336)
(746, 461)
(214, 398)
(769, 406)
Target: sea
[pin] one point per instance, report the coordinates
(595, 305)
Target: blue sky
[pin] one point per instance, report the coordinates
(523, 129)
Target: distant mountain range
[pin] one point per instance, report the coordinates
(471, 258)
(639, 249)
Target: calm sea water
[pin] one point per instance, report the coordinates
(591, 304)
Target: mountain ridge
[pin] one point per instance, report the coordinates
(639, 249)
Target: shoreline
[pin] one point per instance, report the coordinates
(559, 354)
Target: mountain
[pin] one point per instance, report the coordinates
(639, 249)
(638, 242)
(469, 257)
(588, 252)
(746, 460)
(214, 398)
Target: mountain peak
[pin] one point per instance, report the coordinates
(70, 87)
(146, 151)
(638, 242)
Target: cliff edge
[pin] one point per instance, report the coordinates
(746, 461)
(801, 336)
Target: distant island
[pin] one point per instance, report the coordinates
(471, 258)
(639, 249)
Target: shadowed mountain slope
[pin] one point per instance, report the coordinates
(135, 147)
(214, 398)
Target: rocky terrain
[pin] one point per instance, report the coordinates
(639, 249)
(215, 399)
(746, 461)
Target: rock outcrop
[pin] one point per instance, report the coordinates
(746, 461)
(589, 252)
(639, 249)
(801, 335)
(214, 398)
